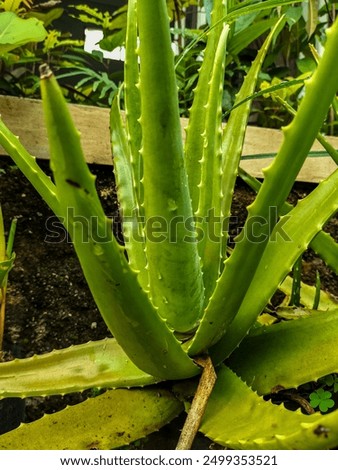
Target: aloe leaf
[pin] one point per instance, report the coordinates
(233, 139)
(323, 244)
(196, 130)
(113, 419)
(236, 417)
(210, 194)
(123, 304)
(234, 132)
(100, 364)
(27, 164)
(176, 284)
(287, 242)
(320, 137)
(129, 206)
(262, 362)
(240, 268)
(132, 99)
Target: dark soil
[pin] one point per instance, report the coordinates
(49, 305)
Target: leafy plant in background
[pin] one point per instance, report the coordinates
(85, 77)
(18, 61)
(293, 56)
(16, 31)
(180, 305)
(92, 85)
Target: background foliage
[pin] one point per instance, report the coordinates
(91, 79)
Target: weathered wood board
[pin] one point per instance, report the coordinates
(25, 118)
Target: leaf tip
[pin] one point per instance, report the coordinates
(45, 71)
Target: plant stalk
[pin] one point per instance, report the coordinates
(198, 405)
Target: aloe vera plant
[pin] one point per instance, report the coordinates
(174, 292)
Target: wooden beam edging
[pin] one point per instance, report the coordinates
(24, 117)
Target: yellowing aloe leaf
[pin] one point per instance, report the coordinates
(111, 420)
(238, 418)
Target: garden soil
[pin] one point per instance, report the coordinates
(49, 305)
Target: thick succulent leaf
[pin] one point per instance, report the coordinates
(132, 99)
(98, 364)
(323, 244)
(233, 139)
(125, 307)
(240, 268)
(196, 130)
(327, 248)
(289, 353)
(287, 242)
(16, 32)
(176, 283)
(210, 194)
(130, 213)
(236, 417)
(234, 132)
(111, 420)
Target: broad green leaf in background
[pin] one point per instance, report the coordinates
(15, 31)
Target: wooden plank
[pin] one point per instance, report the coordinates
(267, 141)
(25, 118)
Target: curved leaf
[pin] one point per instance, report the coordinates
(111, 420)
(263, 361)
(124, 170)
(99, 364)
(233, 139)
(240, 268)
(125, 307)
(176, 284)
(239, 419)
(288, 240)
